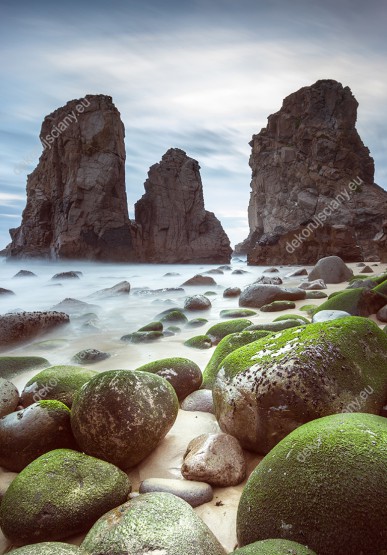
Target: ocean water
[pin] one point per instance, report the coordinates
(117, 316)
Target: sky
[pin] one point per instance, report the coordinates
(201, 75)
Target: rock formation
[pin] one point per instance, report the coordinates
(76, 198)
(313, 191)
(174, 226)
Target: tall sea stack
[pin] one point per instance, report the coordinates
(76, 199)
(174, 226)
(313, 191)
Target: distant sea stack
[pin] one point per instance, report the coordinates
(313, 191)
(76, 199)
(174, 226)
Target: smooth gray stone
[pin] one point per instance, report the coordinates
(195, 493)
(325, 315)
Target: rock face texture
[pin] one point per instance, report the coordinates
(313, 191)
(76, 198)
(174, 226)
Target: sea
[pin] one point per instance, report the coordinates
(152, 291)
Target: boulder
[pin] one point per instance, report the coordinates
(328, 315)
(183, 374)
(59, 383)
(24, 273)
(277, 306)
(265, 280)
(90, 356)
(66, 275)
(197, 302)
(280, 382)
(199, 342)
(74, 307)
(357, 302)
(174, 226)
(257, 295)
(5, 292)
(312, 189)
(9, 397)
(226, 346)
(20, 327)
(41, 504)
(237, 313)
(31, 432)
(120, 416)
(131, 528)
(274, 547)
(330, 269)
(9, 366)
(231, 292)
(216, 459)
(120, 289)
(315, 285)
(219, 331)
(200, 401)
(49, 548)
(77, 192)
(200, 280)
(382, 314)
(320, 473)
(194, 493)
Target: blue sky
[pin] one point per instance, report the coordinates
(193, 74)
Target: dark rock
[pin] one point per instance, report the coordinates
(9, 397)
(6, 291)
(200, 280)
(23, 326)
(277, 306)
(24, 273)
(66, 275)
(231, 292)
(256, 295)
(90, 356)
(331, 269)
(173, 225)
(142, 336)
(73, 307)
(77, 192)
(265, 280)
(200, 401)
(197, 302)
(199, 342)
(122, 288)
(313, 191)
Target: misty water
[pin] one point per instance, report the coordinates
(116, 317)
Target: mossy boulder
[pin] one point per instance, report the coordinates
(142, 336)
(218, 331)
(9, 366)
(277, 306)
(196, 323)
(275, 326)
(270, 387)
(49, 548)
(301, 319)
(237, 313)
(59, 383)
(357, 302)
(174, 317)
(183, 374)
(324, 485)
(31, 432)
(152, 326)
(60, 494)
(258, 294)
(120, 416)
(274, 547)
(226, 346)
(9, 397)
(199, 342)
(316, 295)
(197, 302)
(159, 523)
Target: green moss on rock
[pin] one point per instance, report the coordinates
(199, 342)
(277, 306)
(153, 326)
(196, 323)
(174, 317)
(274, 547)
(330, 471)
(142, 336)
(275, 326)
(159, 523)
(237, 313)
(27, 434)
(120, 416)
(218, 331)
(226, 346)
(59, 383)
(183, 374)
(267, 388)
(292, 317)
(357, 302)
(60, 494)
(49, 548)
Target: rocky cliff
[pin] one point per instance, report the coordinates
(174, 226)
(313, 191)
(76, 198)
